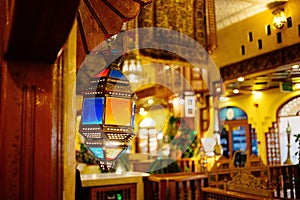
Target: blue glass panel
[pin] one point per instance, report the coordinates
(92, 110)
(239, 139)
(117, 74)
(133, 115)
(98, 152)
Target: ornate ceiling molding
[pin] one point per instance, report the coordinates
(262, 63)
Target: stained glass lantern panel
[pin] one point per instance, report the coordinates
(118, 111)
(92, 110)
(98, 152)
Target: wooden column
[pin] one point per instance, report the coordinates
(31, 151)
(33, 111)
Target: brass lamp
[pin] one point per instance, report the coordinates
(108, 111)
(288, 160)
(279, 18)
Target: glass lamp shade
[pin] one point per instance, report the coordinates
(108, 111)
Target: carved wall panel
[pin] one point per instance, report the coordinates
(98, 20)
(186, 17)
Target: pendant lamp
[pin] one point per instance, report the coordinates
(108, 111)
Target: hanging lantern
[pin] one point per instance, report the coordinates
(108, 110)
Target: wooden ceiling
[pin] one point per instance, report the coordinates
(264, 72)
(35, 31)
(265, 80)
(260, 73)
(231, 11)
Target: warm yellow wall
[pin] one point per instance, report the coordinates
(69, 98)
(262, 116)
(230, 39)
(160, 116)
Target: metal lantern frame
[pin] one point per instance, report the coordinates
(108, 110)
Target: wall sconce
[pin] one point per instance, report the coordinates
(279, 18)
(108, 111)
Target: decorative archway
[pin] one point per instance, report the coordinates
(236, 133)
(288, 115)
(147, 136)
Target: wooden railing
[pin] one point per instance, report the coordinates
(192, 165)
(223, 170)
(284, 180)
(175, 186)
(283, 183)
(243, 185)
(209, 193)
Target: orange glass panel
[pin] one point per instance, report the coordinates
(118, 111)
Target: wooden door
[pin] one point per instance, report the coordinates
(238, 136)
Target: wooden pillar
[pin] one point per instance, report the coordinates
(30, 151)
(35, 100)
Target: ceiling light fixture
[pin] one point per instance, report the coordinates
(297, 86)
(295, 66)
(150, 101)
(254, 92)
(240, 79)
(236, 91)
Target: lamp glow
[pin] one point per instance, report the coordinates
(297, 86)
(236, 91)
(295, 66)
(240, 79)
(279, 19)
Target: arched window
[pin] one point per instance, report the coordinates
(236, 133)
(148, 137)
(288, 116)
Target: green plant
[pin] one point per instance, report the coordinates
(182, 137)
(297, 140)
(84, 156)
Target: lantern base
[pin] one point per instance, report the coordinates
(108, 166)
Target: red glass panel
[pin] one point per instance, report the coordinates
(102, 73)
